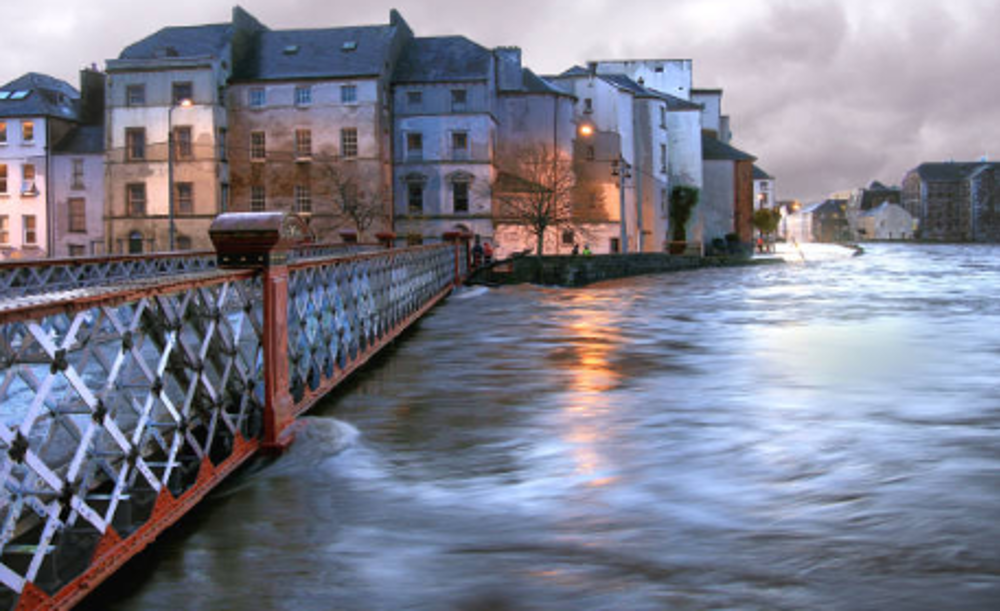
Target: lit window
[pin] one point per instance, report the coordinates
(349, 143)
(3, 178)
(135, 95)
(135, 199)
(258, 97)
(28, 180)
(77, 215)
(257, 201)
(3, 132)
(28, 131)
(185, 198)
(348, 94)
(303, 200)
(303, 144)
(135, 143)
(303, 95)
(4, 229)
(258, 146)
(30, 226)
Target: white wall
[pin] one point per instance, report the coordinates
(711, 116)
(673, 76)
(14, 204)
(717, 200)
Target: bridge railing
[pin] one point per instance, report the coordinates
(124, 405)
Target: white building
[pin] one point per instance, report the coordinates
(886, 221)
(763, 190)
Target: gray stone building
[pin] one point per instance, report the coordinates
(310, 126)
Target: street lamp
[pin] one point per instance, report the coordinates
(183, 103)
(623, 170)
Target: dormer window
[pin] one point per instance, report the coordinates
(350, 45)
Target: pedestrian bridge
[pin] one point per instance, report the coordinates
(131, 386)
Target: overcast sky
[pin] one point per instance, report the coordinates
(828, 94)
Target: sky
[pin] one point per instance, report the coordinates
(828, 94)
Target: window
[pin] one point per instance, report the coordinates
(3, 132)
(303, 95)
(258, 97)
(568, 237)
(303, 144)
(303, 200)
(30, 225)
(459, 145)
(183, 242)
(348, 94)
(258, 146)
(77, 250)
(414, 145)
(76, 180)
(415, 197)
(182, 91)
(460, 196)
(223, 153)
(663, 117)
(591, 154)
(615, 245)
(184, 197)
(458, 98)
(182, 142)
(77, 215)
(3, 178)
(588, 105)
(28, 180)
(28, 131)
(414, 98)
(4, 229)
(135, 95)
(349, 143)
(135, 143)
(135, 199)
(135, 243)
(257, 201)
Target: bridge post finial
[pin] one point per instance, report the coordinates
(262, 240)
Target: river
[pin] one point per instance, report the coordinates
(817, 436)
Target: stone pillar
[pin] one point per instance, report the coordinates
(261, 241)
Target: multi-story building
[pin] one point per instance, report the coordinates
(954, 201)
(36, 111)
(727, 199)
(763, 190)
(167, 122)
(445, 138)
(309, 126)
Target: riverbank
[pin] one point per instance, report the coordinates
(580, 270)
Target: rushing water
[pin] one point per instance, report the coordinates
(824, 436)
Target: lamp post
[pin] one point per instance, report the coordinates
(172, 230)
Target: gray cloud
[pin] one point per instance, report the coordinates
(829, 94)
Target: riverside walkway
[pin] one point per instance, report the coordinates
(131, 386)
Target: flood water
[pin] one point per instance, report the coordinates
(819, 436)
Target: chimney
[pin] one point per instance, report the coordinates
(91, 96)
(508, 68)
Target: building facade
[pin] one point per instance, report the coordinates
(954, 201)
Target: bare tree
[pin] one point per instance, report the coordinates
(536, 188)
(357, 191)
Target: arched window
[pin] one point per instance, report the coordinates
(135, 243)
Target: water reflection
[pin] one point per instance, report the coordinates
(819, 436)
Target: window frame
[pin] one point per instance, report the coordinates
(28, 132)
(77, 172)
(4, 229)
(177, 87)
(349, 94)
(76, 208)
(29, 229)
(256, 190)
(414, 187)
(464, 185)
(302, 204)
(258, 150)
(183, 145)
(461, 152)
(414, 152)
(303, 144)
(133, 101)
(459, 99)
(349, 143)
(3, 133)
(135, 144)
(256, 97)
(135, 207)
(4, 179)
(184, 198)
(303, 95)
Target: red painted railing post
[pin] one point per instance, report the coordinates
(261, 240)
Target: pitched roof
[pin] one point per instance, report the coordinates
(713, 149)
(576, 71)
(442, 59)
(950, 170)
(181, 41)
(39, 95)
(82, 140)
(759, 174)
(627, 84)
(329, 52)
